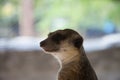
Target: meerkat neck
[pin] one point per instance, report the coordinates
(74, 57)
(67, 56)
(70, 67)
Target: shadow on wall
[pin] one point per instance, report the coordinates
(35, 65)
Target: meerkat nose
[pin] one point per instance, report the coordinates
(42, 43)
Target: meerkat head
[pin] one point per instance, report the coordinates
(62, 43)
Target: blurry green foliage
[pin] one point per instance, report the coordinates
(75, 13)
(79, 13)
(8, 13)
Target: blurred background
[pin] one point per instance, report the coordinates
(24, 23)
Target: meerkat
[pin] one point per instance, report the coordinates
(67, 46)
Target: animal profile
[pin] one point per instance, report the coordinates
(67, 47)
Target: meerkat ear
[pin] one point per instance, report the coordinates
(78, 42)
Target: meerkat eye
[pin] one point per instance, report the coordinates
(58, 37)
(78, 42)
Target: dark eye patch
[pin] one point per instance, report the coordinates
(58, 37)
(78, 42)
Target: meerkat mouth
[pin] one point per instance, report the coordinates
(49, 50)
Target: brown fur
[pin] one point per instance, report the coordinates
(66, 46)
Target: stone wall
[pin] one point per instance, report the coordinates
(35, 65)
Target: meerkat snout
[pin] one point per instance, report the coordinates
(42, 43)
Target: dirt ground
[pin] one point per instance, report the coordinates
(36, 65)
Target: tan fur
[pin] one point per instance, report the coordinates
(63, 56)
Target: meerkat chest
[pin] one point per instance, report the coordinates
(70, 72)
